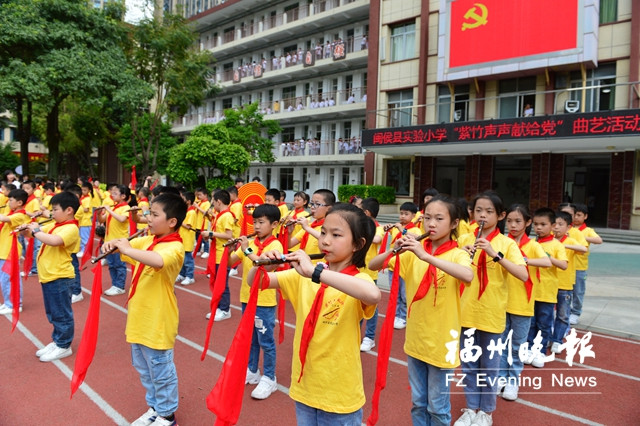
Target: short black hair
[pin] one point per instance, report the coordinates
(66, 199)
(328, 195)
(372, 205)
(570, 205)
(304, 196)
(430, 191)
(222, 196)
(30, 183)
(173, 206)
(564, 216)
(74, 189)
(124, 190)
(409, 206)
(582, 208)
(189, 196)
(271, 212)
(239, 179)
(546, 212)
(50, 186)
(275, 193)
(167, 190)
(232, 190)
(19, 195)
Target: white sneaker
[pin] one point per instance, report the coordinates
(75, 298)
(187, 281)
(180, 278)
(265, 388)
(161, 421)
(573, 319)
(510, 392)
(222, 315)
(5, 310)
(538, 360)
(46, 349)
(22, 274)
(114, 291)
(466, 418)
(208, 315)
(367, 344)
(79, 254)
(205, 255)
(555, 348)
(528, 357)
(233, 272)
(482, 419)
(399, 323)
(56, 353)
(146, 419)
(252, 378)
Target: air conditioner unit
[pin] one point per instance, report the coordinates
(571, 106)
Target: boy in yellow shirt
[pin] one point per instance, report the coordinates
(202, 206)
(152, 318)
(188, 234)
(546, 292)
(321, 202)
(16, 217)
(56, 273)
(117, 226)
(566, 278)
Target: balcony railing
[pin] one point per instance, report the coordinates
(315, 147)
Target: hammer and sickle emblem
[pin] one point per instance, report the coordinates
(477, 19)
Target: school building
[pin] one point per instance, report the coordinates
(305, 63)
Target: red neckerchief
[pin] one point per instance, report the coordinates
(527, 284)
(89, 246)
(312, 319)
(191, 208)
(117, 206)
(174, 236)
(281, 204)
(582, 227)
(545, 239)
(212, 249)
(143, 200)
(483, 277)
(564, 237)
(431, 276)
(261, 246)
(30, 199)
(297, 212)
(57, 225)
(83, 197)
(400, 234)
(305, 237)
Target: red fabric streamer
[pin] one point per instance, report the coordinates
(87, 347)
(12, 268)
(431, 276)
(134, 178)
(386, 337)
(92, 234)
(225, 399)
(528, 284)
(28, 258)
(217, 288)
(483, 277)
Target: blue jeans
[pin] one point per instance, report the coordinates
(430, 400)
(117, 270)
(401, 307)
(542, 321)
(309, 416)
(57, 306)
(265, 322)
(520, 326)
(188, 265)
(36, 246)
(563, 310)
(76, 285)
(480, 375)
(578, 292)
(158, 376)
(225, 300)
(5, 282)
(84, 237)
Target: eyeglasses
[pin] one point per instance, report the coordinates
(316, 205)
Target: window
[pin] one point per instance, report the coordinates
(403, 41)
(460, 107)
(227, 103)
(601, 97)
(345, 176)
(515, 96)
(286, 178)
(268, 178)
(288, 134)
(398, 175)
(399, 105)
(1, 134)
(608, 11)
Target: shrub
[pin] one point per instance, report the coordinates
(384, 194)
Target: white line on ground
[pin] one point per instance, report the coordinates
(557, 412)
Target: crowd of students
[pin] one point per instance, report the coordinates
(460, 281)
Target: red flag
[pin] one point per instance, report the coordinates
(28, 257)
(225, 399)
(217, 288)
(386, 336)
(87, 347)
(12, 268)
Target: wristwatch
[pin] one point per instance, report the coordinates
(315, 277)
(248, 251)
(35, 231)
(498, 257)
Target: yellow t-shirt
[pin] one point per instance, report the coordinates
(582, 259)
(143, 204)
(108, 201)
(96, 201)
(332, 379)
(32, 205)
(489, 312)
(463, 228)
(38, 192)
(312, 242)
(6, 238)
(547, 291)
(284, 210)
(296, 215)
(223, 222)
(152, 319)
(265, 297)
(431, 319)
(371, 253)
(567, 278)
(84, 218)
(517, 302)
(200, 218)
(46, 202)
(117, 229)
(4, 204)
(54, 262)
(189, 237)
(236, 209)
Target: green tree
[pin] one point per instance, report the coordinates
(248, 128)
(128, 152)
(8, 160)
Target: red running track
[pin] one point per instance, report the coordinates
(33, 393)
